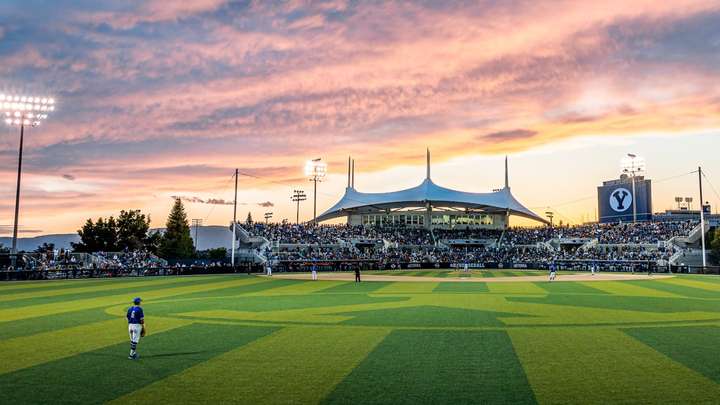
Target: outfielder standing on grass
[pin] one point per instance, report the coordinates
(553, 273)
(136, 326)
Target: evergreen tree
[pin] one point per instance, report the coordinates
(249, 220)
(176, 242)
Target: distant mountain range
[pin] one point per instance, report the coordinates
(209, 237)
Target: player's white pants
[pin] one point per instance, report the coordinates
(314, 275)
(134, 329)
(269, 271)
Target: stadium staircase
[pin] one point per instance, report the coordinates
(249, 247)
(692, 239)
(688, 257)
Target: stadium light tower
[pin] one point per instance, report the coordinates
(689, 201)
(268, 215)
(298, 195)
(550, 216)
(316, 170)
(633, 165)
(23, 111)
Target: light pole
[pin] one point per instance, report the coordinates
(196, 222)
(679, 201)
(316, 170)
(268, 215)
(632, 164)
(23, 111)
(298, 195)
(689, 201)
(550, 215)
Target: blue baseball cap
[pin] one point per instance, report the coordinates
(136, 300)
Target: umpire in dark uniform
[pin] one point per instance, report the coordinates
(357, 274)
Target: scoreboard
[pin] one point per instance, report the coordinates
(615, 200)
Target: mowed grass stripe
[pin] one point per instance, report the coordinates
(28, 351)
(694, 283)
(442, 367)
(13, 314)
(353, 287)
(102, 375)
(32, 326)
(455, 287)
(303, 287)
(261, 284)
(122, 288)
(117, 285)
(568, 288)
(294, 365)
(667, 285)
(631, 288)
(18, 287)
(696, 347)
(400, 287)
(513, 288)
(604, 366)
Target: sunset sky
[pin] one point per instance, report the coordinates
(165, 98)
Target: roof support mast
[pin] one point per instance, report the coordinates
(507, 182)
(348, 171)
(428, 163)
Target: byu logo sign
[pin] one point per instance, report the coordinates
(620, 200)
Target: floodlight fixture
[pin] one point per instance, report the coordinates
(633, 165)
(316, 170)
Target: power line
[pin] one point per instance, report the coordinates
(212, 206)
(594, 196)
(712, 187)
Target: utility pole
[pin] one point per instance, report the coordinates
(232, 257)
(196, 222)
(298, 195)
(702, 219)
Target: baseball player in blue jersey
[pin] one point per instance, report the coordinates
(136, 326)
(553, 269)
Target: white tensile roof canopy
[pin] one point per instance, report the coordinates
(355, 202)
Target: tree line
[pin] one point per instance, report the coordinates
(130, 231)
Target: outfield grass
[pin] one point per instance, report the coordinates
(258, 340)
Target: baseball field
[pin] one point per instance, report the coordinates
(425, 337)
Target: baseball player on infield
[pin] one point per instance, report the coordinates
(136, 326)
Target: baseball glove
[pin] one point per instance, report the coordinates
(142, 332)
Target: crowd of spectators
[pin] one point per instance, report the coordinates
(499, 254)
(126, 260)
(615, 233)
(618, 233)
(286, 233)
